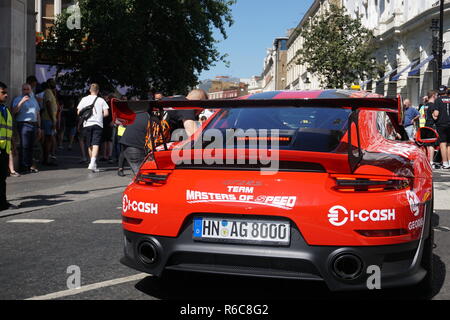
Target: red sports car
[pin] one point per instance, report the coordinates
(316, 185)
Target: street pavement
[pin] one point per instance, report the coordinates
(71, 218)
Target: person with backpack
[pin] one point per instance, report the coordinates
(91, 110)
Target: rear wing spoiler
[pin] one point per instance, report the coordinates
(125, 111)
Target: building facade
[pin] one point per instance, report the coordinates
(47, 11)
(255, 84)
(17, 43)
(404, 44)
(275, 64)
(298, 78)
(226, 88)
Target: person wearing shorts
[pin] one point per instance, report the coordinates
(93, 127)
(441, 114)
(49, 121)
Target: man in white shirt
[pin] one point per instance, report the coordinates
(93, 127)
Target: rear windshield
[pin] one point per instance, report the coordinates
(303, 129)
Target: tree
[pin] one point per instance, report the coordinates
(141, 44)
(338, 49)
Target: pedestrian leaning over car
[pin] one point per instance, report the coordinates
(93, 125)
(133, 141)
(6, 123)
(441, 114)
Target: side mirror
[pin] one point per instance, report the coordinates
(426, 135)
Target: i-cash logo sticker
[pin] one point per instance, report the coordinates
(141, 207)
(339, 215)
(414, 202)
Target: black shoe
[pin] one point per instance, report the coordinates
(9, 206)
(120, 173)
(50, 164)
(437, 166)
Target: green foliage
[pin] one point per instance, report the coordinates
(143, 44)
(337, 49)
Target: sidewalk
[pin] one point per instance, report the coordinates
(441, 190)
(69, 182)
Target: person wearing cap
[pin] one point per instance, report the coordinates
(441, 115)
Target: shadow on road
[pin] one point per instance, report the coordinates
(197, 286)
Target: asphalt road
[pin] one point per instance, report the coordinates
(78, 226)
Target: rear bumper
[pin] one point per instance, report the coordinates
(400, 264)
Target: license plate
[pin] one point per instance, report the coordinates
(242, 231)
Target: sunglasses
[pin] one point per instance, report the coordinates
(4, 92)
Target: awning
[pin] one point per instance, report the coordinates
(446, 63)
(416, 70)
(388, 74)
(409, 66)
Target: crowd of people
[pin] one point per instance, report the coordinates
(37, 122)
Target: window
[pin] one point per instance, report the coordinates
(308, 129)
(67, 3)
(48, 8)
(382, 7)
(385, 126)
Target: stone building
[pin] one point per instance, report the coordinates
(298, 78)
(254, 84)
(47, 11)
(226, 88)
(403, 44)
(17, 43)
(274, 74)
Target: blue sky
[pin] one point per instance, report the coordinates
(257, 23)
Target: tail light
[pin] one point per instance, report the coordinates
(153, 178)
(364, 184)
(131, 220)
(382, 233)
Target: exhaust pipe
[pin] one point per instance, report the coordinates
(347, 266)
(147, 252)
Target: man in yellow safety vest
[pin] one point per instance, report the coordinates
(5, 146)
